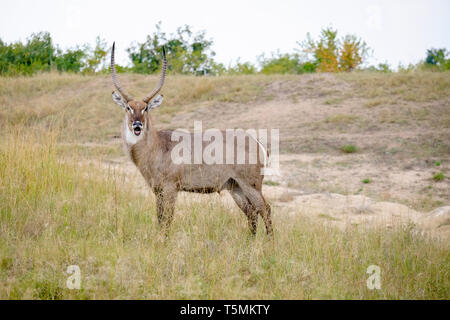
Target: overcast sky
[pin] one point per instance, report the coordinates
(396, 30)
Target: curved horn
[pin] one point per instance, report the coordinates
(114, 78)
(161, 79)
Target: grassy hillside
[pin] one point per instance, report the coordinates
(82, 104)
(399, 123)
(315, 113)
(61, 204)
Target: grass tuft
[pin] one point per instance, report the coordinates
(349, 148)
(439, 177)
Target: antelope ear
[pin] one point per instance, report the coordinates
(117, 98)
(156, 102)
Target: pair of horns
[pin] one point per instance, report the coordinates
(125, 95)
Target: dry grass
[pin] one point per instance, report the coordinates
(420, 86)
(57, 210)
(341, 119)
(55, 214)
(81, 105)
(380, 101)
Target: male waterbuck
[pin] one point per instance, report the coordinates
(151, 152)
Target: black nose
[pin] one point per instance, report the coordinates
(137, 124)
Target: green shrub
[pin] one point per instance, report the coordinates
(188, 53)
(39, 54)
(349, 148)
(242, 68)
(331, 54)
(381, 67)
(439, 176)
(285, 64)
(71, 60)
(437, 59)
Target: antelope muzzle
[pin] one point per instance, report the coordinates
(137, 127)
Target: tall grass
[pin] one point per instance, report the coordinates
(56, 212)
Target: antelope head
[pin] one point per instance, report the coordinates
(136, 111)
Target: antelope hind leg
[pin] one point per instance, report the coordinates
(243, 203)
(257, 200)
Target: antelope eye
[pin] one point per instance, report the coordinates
(128, 108)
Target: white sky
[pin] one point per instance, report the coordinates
(397, 30)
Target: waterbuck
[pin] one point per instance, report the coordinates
(151, 150)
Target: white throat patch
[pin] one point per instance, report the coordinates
(130, 137)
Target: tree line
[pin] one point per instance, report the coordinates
(191, 52)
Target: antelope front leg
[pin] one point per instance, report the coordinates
(165, 205)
